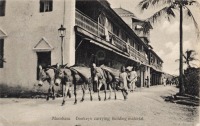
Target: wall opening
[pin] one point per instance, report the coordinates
(43, 59)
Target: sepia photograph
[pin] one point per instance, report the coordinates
(99, 62)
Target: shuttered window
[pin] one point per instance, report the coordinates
(46, 5)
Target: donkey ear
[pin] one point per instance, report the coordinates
(64, 66)
(40, 67)
(57, 65)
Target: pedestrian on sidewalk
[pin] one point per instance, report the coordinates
(123, 79)
(132, 79)
(164, 81)
(147, 82)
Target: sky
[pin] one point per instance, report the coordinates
(164, 37)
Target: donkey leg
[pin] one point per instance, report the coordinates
(115, 91)
(110, 89)
(83, 89)
(105, 88)
(66, 88)
(75, 94)
(69, 92)
(53, 93)
(115, 94)
(99, 97)
(90, 93)
(48, 94)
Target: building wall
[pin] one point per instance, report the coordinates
(25, 26)
(128, 20)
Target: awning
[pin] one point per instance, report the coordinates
(156, 69)
(110, 49)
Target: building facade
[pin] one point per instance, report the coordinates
(142, 29)
(29, 37)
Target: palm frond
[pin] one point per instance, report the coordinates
(184, 56)
(189, 14)
(177, 60)
(193, 59)
(194, 2)
(193, 54)
(166, 11)
(144, 4)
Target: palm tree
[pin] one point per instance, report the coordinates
(168, 8)
(189, 57)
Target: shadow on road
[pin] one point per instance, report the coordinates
(182, 99)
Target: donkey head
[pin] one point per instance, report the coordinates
(46, 75)
(62, 74)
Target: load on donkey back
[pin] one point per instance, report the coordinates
(78, 75)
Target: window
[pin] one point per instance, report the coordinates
(1, 52)
(124, 37)
(116, 30)
(2, 7)
(136, 46)
(131, 42)
(46, 5)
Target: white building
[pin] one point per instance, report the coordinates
(29, 36)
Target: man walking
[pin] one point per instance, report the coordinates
(164, 81)
(132, 79)
(123, 78)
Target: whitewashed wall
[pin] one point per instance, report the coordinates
(25, 26)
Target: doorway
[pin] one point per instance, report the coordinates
(43, 59)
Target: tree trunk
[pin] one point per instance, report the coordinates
(181, 83)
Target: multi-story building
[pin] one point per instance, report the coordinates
(101, 31)
(142, 29)
(29, 37)
(95, 33)
(156, 68)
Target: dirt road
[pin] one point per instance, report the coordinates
(144, 107)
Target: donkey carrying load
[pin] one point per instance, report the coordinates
(78, 75)
(69, 76)
(47, 74)
(105, 76)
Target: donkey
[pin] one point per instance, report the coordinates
(69, 76)
(112, 81)
(48, 75)
(103, 76)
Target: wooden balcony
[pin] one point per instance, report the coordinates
(91, 26)
(138, 55)
(156, 66)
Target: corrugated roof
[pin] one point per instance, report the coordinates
(123, 12)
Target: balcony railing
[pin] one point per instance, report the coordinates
(137, 55)
(159, 67)
(98, 30)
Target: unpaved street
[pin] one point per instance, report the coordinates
(144, 107)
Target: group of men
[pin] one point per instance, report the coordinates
(127, 81)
